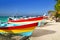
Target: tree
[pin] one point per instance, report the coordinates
(57, 8)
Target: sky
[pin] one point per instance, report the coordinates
(25, 7)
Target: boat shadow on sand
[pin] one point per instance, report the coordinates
(49, 24)
(42, 32)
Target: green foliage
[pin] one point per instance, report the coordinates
(57, 8)
(57, 15)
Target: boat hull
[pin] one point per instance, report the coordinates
(27, 21)
(24, 30)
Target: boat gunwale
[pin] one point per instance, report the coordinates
(19, 27)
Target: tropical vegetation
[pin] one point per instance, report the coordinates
(57, 8)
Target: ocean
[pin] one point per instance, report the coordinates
(5, 18)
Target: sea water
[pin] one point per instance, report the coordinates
(5, 18)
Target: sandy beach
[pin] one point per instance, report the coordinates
(51, 31)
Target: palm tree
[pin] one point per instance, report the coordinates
(57, 8)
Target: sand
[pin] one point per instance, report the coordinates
(51, 31)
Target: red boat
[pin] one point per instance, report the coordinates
(35, 19)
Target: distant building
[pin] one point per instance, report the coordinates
(51, 14)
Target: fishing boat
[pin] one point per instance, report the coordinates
(20, 29)
(25, 20)
(21, 26)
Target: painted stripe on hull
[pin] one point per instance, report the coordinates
(26, 33)
(29, 33)
(27, 20)
(18, 27)
(22, 23)
(18, 30)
